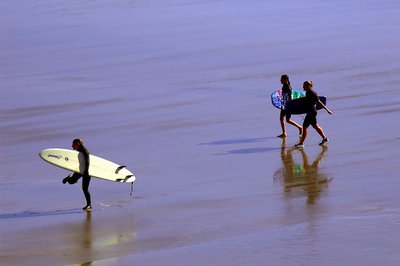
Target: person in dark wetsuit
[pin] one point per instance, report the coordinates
(287, 96)
(77, 144)
(311, 115)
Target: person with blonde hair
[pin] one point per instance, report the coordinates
(311, 114)
(287, 96)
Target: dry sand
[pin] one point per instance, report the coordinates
(178, 91)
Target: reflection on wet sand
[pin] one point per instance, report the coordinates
(87, 232)
(85, 240)
(90, 240)
(305, 177)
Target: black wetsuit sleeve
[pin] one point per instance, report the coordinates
(87, 160)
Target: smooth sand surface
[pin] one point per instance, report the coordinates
(179, 92)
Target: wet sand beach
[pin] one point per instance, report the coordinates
(179, 92)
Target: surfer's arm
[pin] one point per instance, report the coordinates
(324, 106)
(87, 163)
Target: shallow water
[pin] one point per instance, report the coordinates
(178, 92)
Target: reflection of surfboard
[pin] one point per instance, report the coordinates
(297, 106)
(277, 98)
(303, 183)
(99, 167)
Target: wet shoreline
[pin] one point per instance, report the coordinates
(179, 93)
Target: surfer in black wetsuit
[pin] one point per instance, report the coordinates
(311, 115)
(77, 144)
(287, 96)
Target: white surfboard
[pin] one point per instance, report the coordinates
(99, 167)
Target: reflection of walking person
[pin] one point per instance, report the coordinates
(77, 145)
(287, 96)
(305, 176)
(314, 181)
(311, 115)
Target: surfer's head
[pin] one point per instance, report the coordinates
(307, 85)
(77, 143)
(285, 79)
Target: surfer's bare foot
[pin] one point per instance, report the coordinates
(87, 208)
(65, 180)
(282, 136)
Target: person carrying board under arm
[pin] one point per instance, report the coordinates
(311, 115)
(77, 144)
(287, 96)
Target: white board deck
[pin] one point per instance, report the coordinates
(99, 167)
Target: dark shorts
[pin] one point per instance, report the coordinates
(284, 113)
(311, 119)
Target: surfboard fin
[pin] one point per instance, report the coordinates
(119, 168)
(125, 179)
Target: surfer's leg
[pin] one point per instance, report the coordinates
(321, 133)
(314, 124)
(283, 126)
(302, 138)
(304, 134)
(319, 130)
(290, 121)
(85, 188)
(73, 179)
(65, 180)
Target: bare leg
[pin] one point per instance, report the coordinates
(304, 135)
(85, 188)
(283, 126)
(300, 128)
(320, 131)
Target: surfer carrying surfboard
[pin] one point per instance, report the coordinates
(287, 96)
(311, 115)
(77, 144)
